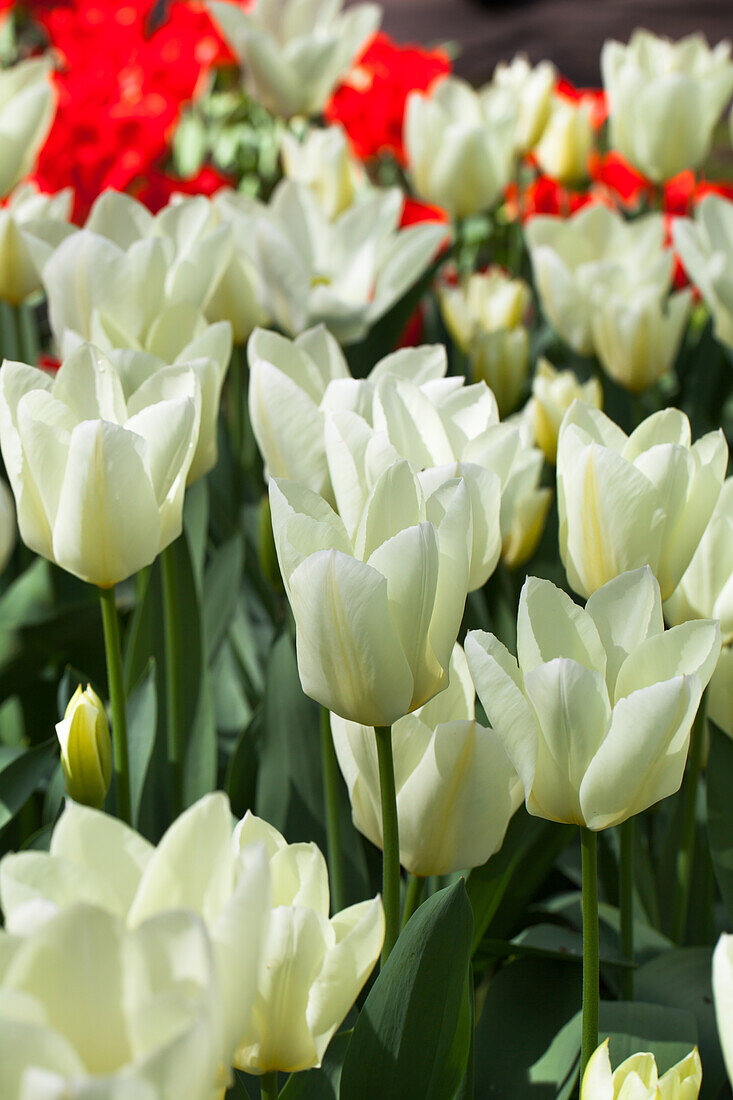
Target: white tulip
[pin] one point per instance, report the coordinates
(378, 592)
(485, 301)
(456, 790)
(89, 1009)
(626, 501)
(321, 160)
(294, 52)
(532, 87)
(637, 1078)
(27, 105)
(596, 713)
(475, 135)
(705, 246)
(86, 748)
(8, 526)
(347, 272)
(32, 225)
(553, 392)
(569, 254)
(98, 480)
(723, 997)
(664, 99)
(566, 142)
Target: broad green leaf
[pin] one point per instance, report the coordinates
(221, 584)
(720, 817)
(142, 716)
(669, 1033)
(21, 772)
(323, 1083)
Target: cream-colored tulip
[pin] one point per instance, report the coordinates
(321, 160)
(378, 591)
(294, 53)
(501, 360)
(86, 748)
(456, 790)
(723, 997)
(596, 713)
(198, 865)
(626, 501)
(705, 245)
(27, 105)
(664, 99)
(532, 87)
(90, 1009)
(98, 480)
(475, 133)
(566, 142)
(32, 225)
(553, 392)
(637, 1078)
(312, 968)
(8, 526)
(636, 332)
(570, 254)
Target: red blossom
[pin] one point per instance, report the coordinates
(546, 196)
(594, 98)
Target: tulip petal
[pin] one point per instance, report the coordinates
(626, 611)
(690, 649)
(300, 877)
(550, 624)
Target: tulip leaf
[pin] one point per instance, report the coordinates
(669, 1033)
(21, 772)
(408, 1043)
(221, 584)
(720, 818)
(323, 1083)
(142, 716)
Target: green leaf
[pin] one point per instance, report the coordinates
(669, 1033)
(323, 1083)
(21, 773)
(241, 778)
(142, 716)
(221, 584)
(720, 818)
(404, 1043)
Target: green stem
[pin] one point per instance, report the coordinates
(268, 1085)
(117, 701)
(9, 347)
(413, 897)
(686, 850)
(28, 334)
(390, 840)
(173, 710)
(330, 767)
(626, 903)
(589, 856)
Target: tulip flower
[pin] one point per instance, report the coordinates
(638, 1077)
(378, 592)
(569, 254)
(7, 524)
(456, 790)
(705, 246)
(27, 104)
(321, 161)
(706, 592)
(31, 227)
(91, 1009)
(532, 87)
(665, 99)
(475, 132)
(292, 54)
(567, 140)
(595, 713)
(98, 480)
(347, 272)
(553, 392)
(723, 997)
(86, 748)
(626, 501)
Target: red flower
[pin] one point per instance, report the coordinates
(625, 184)
(594, 98)
(370, 104)
(546, 196)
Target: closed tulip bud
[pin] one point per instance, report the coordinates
(501, 360)
(8, 526)
(569, 254)
(637, 1077)
(705, 246)
(566, 143)
(321, 160)
(532, 88)
(596, 712)
(377, 592)
(86, 748)
(553, 392)
(31, 227)
(664, 99)
(98, 479)
(475, 132)
(626, 501)
(27, 104)
(293, 55)
(456, 790)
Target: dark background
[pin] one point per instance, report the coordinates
(569, 32)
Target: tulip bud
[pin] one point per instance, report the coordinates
(553, 392)
(322, 162)
(27, 102)
(566, 142)
(86, 749)
(637, 1077)
(705, 246)
(533, 90)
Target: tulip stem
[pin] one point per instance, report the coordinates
(268, 1085)
(686, 850)
(413, 897)
(117, 701)
(329, 763)
(626, 903)
(589, 855)
(174, 719)
(390, 840)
